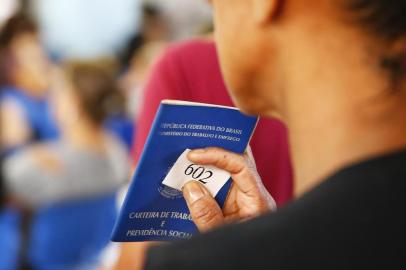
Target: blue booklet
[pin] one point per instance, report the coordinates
(153, 211)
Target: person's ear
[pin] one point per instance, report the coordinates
(265, 10)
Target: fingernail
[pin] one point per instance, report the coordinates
(193, 191)
(196, 153)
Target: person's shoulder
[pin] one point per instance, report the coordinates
(189, 50)
(191, 45)
(182, 65)
(10, 92)
(11, 96)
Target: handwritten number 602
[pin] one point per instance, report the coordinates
(197, 172)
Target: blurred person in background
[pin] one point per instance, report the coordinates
(89, 30)
(63, 177)
(9, 233)
(190, 71)
(134, 79)
(118, 120)
(134, 63)
(82, 98)
(185, 18)
(25, 116)
(139, 55)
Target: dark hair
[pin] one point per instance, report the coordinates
(385, 20)
(95, 84)
(17, 25)
(150, 12)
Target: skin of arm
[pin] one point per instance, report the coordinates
(14, 129)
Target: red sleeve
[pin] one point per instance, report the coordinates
(165, 82)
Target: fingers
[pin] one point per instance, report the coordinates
(204, 210)
(218, 157)
(235, 164)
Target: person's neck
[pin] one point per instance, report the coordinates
(85, 135)
(343, 117)
(323, 145)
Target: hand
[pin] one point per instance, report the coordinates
(247, 197)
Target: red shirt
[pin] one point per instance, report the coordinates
(190, 71)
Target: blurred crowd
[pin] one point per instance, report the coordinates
(72, 75)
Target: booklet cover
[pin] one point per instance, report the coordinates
(157, 211)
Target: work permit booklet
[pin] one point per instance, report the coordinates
(154, 208)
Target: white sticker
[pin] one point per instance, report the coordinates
(184, 171)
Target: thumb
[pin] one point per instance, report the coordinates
(205, 211)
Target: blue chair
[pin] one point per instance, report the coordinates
(71, 235)
(9, 238)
